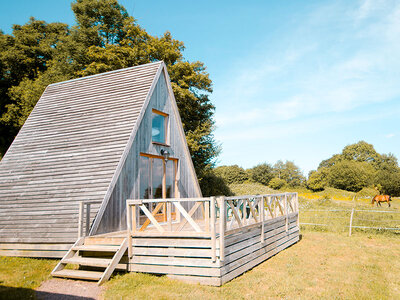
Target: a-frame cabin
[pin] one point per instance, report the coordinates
(100, 174)
(97, 140)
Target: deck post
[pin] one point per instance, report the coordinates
(207, 215)
(222, 221)
(212, 229)
(262, 219)
(128, 229)
(87, 218)
(286, 213)
(169, 215)
(297, 210)
(80, 224)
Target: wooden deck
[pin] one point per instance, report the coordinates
(228, 237)
(212, 243)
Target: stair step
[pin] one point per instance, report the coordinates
(78, 274)
(88, 261)
(101, 248)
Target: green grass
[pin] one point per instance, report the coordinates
(20, 276)
(320, 266)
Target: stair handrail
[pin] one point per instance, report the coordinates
(85, 218)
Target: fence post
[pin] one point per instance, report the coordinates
(222, 220)
(262, 219)
(286, 214)
(298, 210)
(212, 229)
(80, 224)
(87, 219)
(351, 220)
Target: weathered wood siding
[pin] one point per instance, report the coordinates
(127, 184)
(67, 151)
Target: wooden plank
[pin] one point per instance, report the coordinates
(35, 246)
(187, 216)
(256, 239)
(256, 261)
(114, 262)
(239, 235)
(190, 214)
(175, 270)
(88, 261)
(251, 248)
(69, 254)
(222, 224)
(233, 207)
(153, 213)
(254, 255)
(34, 253)
(183, 252)
(175, 261)
(151, 217)
(172, 242)
(99, 248)
(213, 231)
(78, 274)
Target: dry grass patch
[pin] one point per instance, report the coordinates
(321, 265)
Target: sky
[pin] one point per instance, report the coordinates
(292, 80)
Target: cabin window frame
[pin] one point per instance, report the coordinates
(166, 127)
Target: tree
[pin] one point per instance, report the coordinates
(213, 185)
(105, 38)
(262, 173)
(277, 183)
(358, 166)
(318, 180)
(231, 174)
(289, 172)
(351, 175)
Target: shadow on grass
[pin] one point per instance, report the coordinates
(11, 293)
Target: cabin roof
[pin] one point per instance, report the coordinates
(68, 150)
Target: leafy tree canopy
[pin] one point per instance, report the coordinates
(231, 174)
(262, 173)
(357, 167)
(105, 38)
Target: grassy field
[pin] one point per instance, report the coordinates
(325, 264)
(20, 276)
(321, 265)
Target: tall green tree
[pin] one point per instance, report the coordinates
(105, 38)
(289, 172)
(359, 165)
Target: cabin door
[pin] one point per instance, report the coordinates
(158, 180)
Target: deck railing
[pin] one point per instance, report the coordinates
(207, 217)
(84, 221)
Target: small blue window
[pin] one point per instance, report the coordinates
(158, 128)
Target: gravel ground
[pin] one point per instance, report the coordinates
(65, 289)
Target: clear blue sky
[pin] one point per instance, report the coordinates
(293, 80)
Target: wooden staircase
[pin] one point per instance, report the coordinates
(97, 259)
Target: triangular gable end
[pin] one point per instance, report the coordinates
(128, 179)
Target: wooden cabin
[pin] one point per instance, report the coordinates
(101, 139)
(100, 175)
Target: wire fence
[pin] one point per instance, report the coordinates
(350, 220)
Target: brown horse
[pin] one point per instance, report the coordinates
(381, 198)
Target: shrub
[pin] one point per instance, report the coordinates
(276, 183)
(231, 174)
(261, 173)
(212, 185)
